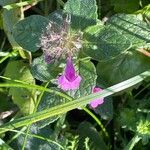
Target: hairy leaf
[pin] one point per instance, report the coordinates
(82, 16)
(27, 32)
(103, 43)
(36, 142)
(123, 67)
(132, 27)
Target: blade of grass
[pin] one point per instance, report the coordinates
(31, 86)
(56, 110)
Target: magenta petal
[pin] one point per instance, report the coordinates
(96, 89)
(70, 70)
(96, 102)
(48, 59)
(65, 84)
(69, 80)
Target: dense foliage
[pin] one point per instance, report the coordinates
(74, 74)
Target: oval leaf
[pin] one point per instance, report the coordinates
(104, 43)
(27, 32)
(82, 16)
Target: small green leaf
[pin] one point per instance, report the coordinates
(123, 67)
(27, 32)
(103, 43)
(132, 27)
(82, 16)
(43, 71)
(23, 98)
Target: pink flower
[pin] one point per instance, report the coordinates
(58, 42)
(69, 80)
(98, 101)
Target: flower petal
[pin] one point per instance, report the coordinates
(65, 84)
(98, 101)
(47, 58)
(70, 70)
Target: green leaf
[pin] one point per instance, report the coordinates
(86, 129)
(125, 6)
(132, 27)
(43, 71)
(49, 100)
(57, 17)
(103, 43)
(82, 16)
(27, 32)
(35, 142)
(23, 98)
(123, 67)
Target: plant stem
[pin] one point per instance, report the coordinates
(97, 121)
